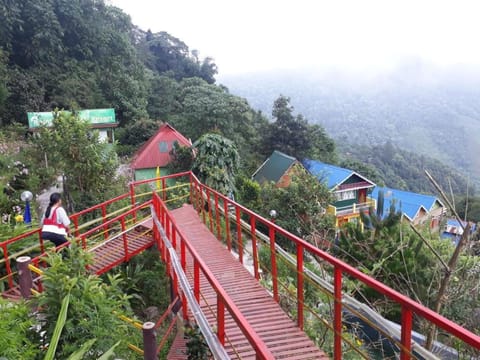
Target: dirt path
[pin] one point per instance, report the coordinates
(42, 200)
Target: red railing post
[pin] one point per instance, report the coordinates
(164, 192)
(227, 224)
(190, 179)
(149, 341)
(337, 317)
(42, 245)
(184, 307)
(125, 240)
(175, 285)
(217, 217)
(7, 266)
(183, 257)
(167, 227)
(168, 263)
(202, 204)
(406, 337)
(167, 234)
(104, 218)
(199, 197)
(174, 238)
(273, 261)
(300, 285)
(210, 217)
(133, 200)
(239, 235)
(25, 276)
(84, 242)
(196, 280)
(75, 224)
(253, 234)
(220, 320)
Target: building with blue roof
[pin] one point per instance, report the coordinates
(350, 189)
(454, 229)
(416, 208)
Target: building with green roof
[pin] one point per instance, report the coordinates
(278, 168)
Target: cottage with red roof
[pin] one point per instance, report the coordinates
(156, 153)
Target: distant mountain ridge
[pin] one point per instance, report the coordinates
(432, 112)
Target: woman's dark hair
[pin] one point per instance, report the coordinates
(54, 198)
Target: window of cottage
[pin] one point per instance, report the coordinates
(345, 195)
(163, 146)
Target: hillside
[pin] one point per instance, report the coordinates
(427, 111)
(87, 54)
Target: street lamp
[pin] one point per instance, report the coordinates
(273, 214)
(27, 196)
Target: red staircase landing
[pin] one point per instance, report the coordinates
(281, 335)
(112, 252)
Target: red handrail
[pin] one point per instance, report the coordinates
(223, 299)
(409, 306)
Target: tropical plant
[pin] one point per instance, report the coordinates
(91, 309)
(143, 279)
(216, 162)
(18, 338)
(197, 347)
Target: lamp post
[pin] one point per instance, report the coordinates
(273, 214)
(27, 196)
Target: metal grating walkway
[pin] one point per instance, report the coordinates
(277, 330)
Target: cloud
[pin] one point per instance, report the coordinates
(256, 35)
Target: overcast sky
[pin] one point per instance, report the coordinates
(255, 35)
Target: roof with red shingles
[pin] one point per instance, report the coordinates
(156, 151)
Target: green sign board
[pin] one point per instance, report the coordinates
(96, 116)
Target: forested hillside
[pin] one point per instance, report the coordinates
(400, 169)
(85, 54)
(430, 112)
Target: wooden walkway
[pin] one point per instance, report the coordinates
(281, 335)
(112, 252)
(107, 255)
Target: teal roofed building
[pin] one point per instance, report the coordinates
(416, 208)
(278, 168)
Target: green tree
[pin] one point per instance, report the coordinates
(216, 162)
(300, 207)
(74, 150)
(164, 53)
(393, 254)
(468, 208)
(203, 107)
(162, 100)
(3, 82)
(402, 169)
(138, 132)
(294, 136)
(182, 158)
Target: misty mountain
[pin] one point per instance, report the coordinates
(429, 111)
